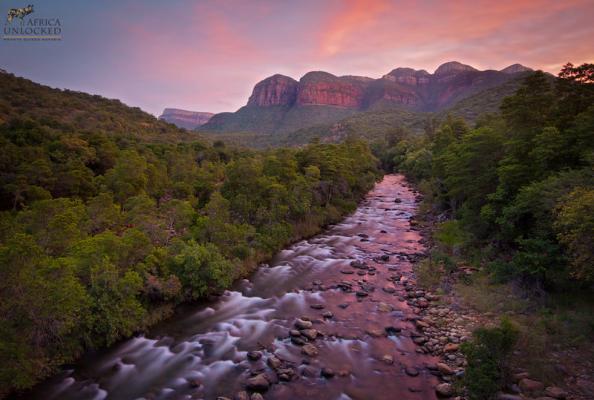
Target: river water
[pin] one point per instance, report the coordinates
(364, 348)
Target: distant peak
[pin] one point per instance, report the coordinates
(453, 67)
(515, 68)
(405, 71)
(277, 77)
(318, 76)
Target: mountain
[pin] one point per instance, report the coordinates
(185, 119)
(281, 104)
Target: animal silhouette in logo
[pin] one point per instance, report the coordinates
(19, 12)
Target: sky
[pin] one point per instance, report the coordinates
(207, 55)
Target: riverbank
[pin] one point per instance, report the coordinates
(553, 356)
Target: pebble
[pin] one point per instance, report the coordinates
(444, 369)
(388, 359)
(410, 371)
(444, 390)
(311, 334)
(530, 385)
(302, 324)
(309, 350)
(258, 383)
(327, 373)
(243, 395)
(254, 355)
(274, 362)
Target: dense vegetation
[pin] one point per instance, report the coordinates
(514, 198)
(108, 220)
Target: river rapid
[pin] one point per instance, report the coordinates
(326, 319)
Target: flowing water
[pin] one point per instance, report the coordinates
(202, 352)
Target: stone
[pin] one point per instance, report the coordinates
(362, 294)
(257, 383)
(256, 396)
(243, 395)
(451, 347)
(294, 333)
(317, 306)
(309, 350)
(274, 362)
(389, 289)
(194, 383)
(375, 332)
(519, 376)
(444, 390)
(388, 359)
(327, 373)
(384, 307)
(392, 330)
(444, 369)
(555, 392)
(297, 340)
(303, 324)
(311, 334)
(254, 355)
(411, 371)
(343, 305)
(506, 396)
(328, 314)
(531, 386)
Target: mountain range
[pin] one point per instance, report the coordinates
(280, 104)
(185, 119)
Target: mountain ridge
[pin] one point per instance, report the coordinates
(321, 97)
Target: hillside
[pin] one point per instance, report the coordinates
(22, 100)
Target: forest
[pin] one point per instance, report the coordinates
(111, 218)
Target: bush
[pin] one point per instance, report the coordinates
(488, 357)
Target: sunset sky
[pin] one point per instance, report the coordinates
(207, 55)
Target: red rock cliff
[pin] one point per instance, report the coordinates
(277, 90)
(322, 88)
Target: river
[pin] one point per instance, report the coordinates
(344, 288)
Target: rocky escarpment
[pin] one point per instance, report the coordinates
(322, 88)
(282, 104)
(277, 90)
(185, 119)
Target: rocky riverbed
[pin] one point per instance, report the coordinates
(337, 316)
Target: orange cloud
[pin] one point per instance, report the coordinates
(355, 15)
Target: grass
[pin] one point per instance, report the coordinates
(549, 330)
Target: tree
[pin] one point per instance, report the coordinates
(575, 226)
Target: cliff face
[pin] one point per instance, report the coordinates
(185, 119)
(320, 97)
(322, 88)
(277, 90)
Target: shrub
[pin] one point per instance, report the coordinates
(488, 357)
